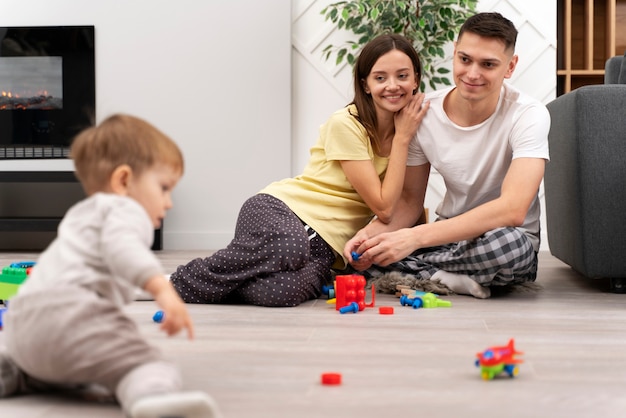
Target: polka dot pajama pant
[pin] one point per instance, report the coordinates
(274, 259)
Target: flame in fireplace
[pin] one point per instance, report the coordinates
(27, 100)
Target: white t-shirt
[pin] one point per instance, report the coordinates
(474, 160)
(103, 244)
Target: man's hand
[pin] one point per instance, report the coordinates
(388, 247)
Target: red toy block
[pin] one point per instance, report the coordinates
(331, 379)
(351, 288)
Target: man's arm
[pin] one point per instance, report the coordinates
(409, 210)
(519, 189)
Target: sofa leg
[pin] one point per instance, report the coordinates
(618, 285)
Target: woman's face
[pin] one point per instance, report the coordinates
(391, 82)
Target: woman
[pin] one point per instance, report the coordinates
(292, 232)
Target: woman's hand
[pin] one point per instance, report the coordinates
(353, 246)
(408, 119)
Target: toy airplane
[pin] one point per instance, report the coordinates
(495, 360)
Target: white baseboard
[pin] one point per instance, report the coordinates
(196, 240)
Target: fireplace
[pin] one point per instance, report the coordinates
(47, 89)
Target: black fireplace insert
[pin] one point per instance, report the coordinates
(47, 89)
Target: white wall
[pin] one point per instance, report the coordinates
(213, 74)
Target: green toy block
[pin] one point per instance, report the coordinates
(10, 280)
(7, 291)
(14, 275)
(430, 300)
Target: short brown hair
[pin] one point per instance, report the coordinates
(121, 139)
(491, 25)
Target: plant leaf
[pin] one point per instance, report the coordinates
(429, 24)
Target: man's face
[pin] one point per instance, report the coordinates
(480, 66)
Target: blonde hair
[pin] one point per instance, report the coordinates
(121, 139)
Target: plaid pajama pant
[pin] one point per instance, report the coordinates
(499, 257)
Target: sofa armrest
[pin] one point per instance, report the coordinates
(585, 181)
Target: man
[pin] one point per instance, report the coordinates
(489, 142)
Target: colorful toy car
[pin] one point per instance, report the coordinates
(495, 360)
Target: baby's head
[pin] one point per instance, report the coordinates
(128, 156)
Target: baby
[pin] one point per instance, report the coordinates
(65, 329)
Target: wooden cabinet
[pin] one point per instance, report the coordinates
(589, 33)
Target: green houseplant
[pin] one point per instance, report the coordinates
(430, 24)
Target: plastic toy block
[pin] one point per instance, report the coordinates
(414, 302)
(407, 290)
(352, 307)
(7, 290)
(424, 300)
(355, 255)
(2, 311)
(10, 281)
(329, 291)
(331, 378)
(158, 316)
(13, 275)
(385, 310)
(351, 288)
(431, 300)
(23, 264)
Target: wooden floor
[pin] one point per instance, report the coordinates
(267, 362)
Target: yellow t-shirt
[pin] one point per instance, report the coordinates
(322, 196)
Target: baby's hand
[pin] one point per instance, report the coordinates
(175, 314)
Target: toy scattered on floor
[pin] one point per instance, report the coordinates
(352, 307)
(421, 299)
(158, 317)
(495, 360)
(329, 291)
(2, 311)
(331, 378)
(23, 264)
(11, 279)
(351, 288)
(385, 310)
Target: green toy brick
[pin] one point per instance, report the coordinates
(13, 275)
(7, 290)
(10, 281)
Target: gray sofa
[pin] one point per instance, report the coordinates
(585, 181)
